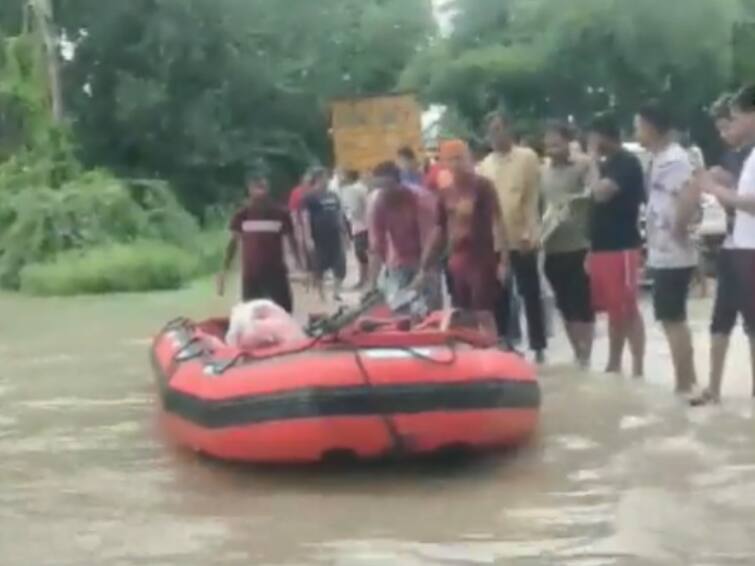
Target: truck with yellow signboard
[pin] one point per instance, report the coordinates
(369, 130)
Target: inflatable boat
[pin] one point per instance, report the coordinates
(360, 387)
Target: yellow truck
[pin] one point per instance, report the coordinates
(369, 130)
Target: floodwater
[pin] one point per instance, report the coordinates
(619, 473)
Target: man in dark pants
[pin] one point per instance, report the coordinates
(734, 116)
(260, 227)
(515, 173)
(325, 232)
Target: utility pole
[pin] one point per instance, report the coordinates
(43, 15)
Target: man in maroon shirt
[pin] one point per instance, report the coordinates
(470, 224)
(259, 228)
(401, 221)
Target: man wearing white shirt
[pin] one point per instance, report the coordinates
(672, 254)
(742, 200)
(354, 196)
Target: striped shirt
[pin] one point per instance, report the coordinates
(261, 228)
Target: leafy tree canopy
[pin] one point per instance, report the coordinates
(552, 58)
(196, 91)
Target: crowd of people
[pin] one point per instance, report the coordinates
(487, 231)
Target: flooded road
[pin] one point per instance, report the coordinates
(620, 472)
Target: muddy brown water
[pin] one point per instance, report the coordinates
(619, 473)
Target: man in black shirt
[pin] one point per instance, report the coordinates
(615, 260)
(325, 232)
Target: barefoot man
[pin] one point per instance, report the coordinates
(614, 262)
(471, 225)
(259, 228)
(672, 253)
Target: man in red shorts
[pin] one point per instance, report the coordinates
(470, 224)
(614, 262)
(259, 228)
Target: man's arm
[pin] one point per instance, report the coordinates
(729, 198)
(500, 236)
(531, 201)
(602, 189)
(230, 255)
(688, 207)
(378, 238)
(687, 198)
(306, 229)
(291, 239)
(433, 249)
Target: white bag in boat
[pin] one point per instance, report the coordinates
(261, 323)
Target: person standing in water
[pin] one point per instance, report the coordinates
(615, 257)
(260, 228)
(354, 195)
(399, 224)
(515, 173)
(735, 190)
(672, 253)
(566, 182)
(471, 225)
(325, 232)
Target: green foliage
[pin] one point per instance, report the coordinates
(210, 249)
(11, 17)
(117, 268)
(93, 209)
(555, 58)
(24, 108)
(197, 91)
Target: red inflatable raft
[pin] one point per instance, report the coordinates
(374, 389)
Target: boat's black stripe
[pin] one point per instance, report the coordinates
(352, 401)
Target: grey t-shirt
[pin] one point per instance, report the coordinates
(560, 184)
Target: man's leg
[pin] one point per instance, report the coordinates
(252, 289)
(636, 337)
(339, 271)
(528, 282)
(502, 310)
(280, 293)
(746, 294)
(682, 355)
(670, 292)
(361, 244)
(584, 336)
(582, 312)
(719, 348)
(557, 273)
(617, 337)
(723, 321)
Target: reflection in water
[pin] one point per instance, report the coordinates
(620, 472)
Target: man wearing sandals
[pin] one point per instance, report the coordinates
(672, 254)
(736, 292)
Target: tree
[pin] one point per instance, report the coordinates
(196, 91)
(550, 58)
(43, 16)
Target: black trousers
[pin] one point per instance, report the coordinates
(527, 276)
